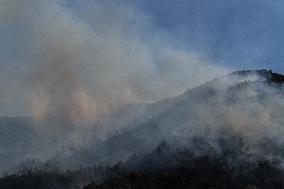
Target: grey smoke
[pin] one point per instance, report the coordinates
(92, 60)
(65, 68)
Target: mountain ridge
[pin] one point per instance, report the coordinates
(235, 118)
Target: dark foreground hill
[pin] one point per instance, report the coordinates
(188, 171)
(203, 172)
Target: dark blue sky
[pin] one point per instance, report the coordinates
(239, 33)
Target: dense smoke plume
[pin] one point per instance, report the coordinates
(78, 63)
(65, 67)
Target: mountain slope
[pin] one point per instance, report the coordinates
(247, 104)
(234, 122)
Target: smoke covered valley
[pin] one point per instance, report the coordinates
(234, 120)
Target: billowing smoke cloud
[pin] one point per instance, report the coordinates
(66, 66)
(78, 63)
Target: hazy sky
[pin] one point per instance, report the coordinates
(54, 53)
(238, 33)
